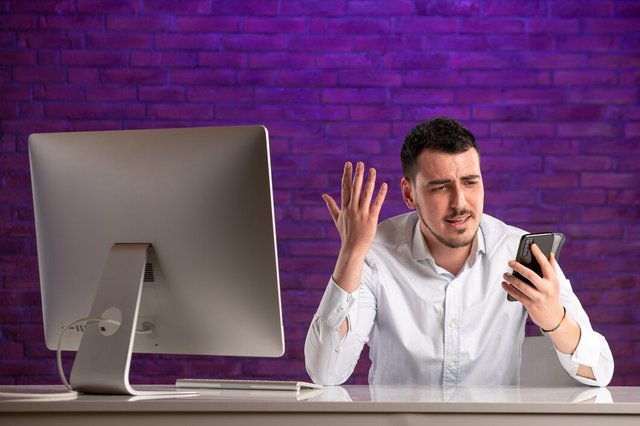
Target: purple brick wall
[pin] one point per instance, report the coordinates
(550, 88)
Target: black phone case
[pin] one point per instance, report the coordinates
(547, 242)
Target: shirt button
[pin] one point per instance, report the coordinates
(451, 364)
(452, 324)
(337, 349)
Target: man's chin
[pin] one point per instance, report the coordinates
(462, 238)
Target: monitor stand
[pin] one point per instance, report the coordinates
(104, 356)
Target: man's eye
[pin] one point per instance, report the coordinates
(439, 188)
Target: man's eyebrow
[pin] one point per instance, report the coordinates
(438, 181)
(470, 177)
(445, 181)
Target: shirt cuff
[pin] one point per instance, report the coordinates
(587, 352)
(336, 304)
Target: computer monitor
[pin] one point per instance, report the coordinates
(170, 231)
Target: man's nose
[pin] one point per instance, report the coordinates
(458, 200)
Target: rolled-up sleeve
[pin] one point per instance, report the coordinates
(329, 359)
(592, 350)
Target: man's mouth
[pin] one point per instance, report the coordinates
(458, 220)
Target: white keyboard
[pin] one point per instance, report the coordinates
(281, 385)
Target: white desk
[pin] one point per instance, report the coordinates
(349, 405)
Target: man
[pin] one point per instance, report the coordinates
(423, 289)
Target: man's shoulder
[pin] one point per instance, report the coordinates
(497, 233)
(396, 230)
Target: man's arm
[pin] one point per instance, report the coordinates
(356, 222)
(329, 355)
(542, 302)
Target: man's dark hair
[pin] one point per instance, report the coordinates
(439, 134)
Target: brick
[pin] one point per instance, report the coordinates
(130, 41)
(17, 57)
(276, 25)
(246, 7)
(313, 43)
(180, 112)
(519, 8)
(524, 129)
(534, 96)
(403, 96)
(316, 113)
(307, 78)
(293, 95)
(372, 8)
(519, 43)
(597, 95)
(624, 197)
(76, 110)
(144, 24)
(611, 26)
(254, 42)
(553, 61)
(183, 7)
(581, 8)
(422, 25)
(582, 197)
(313, 8)
(572, 113)
(281, 60)
(589, 130)
(111, 93)
(38, 75)
(577, 163)
(170, 59)
(478, 61)
(59, 92)
(207, 24)
(615, 61)
(369, 78)
(109, 6)
(405, 61)
(348, 95)
(133, 76)
(219, 60)
(609, 180)
(553, 26)
(510, 78)
(386, 43)
(492, 26)
(210, 94)
(243, 113)
(17, 22)
(71, 23)
(546, 180)
(196, 42)
(202, 76)
(586, 43)
(582, 78)
(447, 8)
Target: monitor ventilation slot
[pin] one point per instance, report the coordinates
(149, 276)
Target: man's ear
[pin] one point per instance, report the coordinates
(407, 192)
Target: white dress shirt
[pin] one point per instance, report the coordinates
(425, 326)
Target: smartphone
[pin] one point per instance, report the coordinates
(547, 242)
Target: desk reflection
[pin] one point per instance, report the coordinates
(484, 395)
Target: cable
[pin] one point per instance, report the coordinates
(70, 393)
(73, 323)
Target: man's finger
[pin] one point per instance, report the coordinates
(346, 184)
(545, 266)
(332, 206)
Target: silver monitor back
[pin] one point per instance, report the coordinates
(201, 197)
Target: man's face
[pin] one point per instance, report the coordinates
(448, 195)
